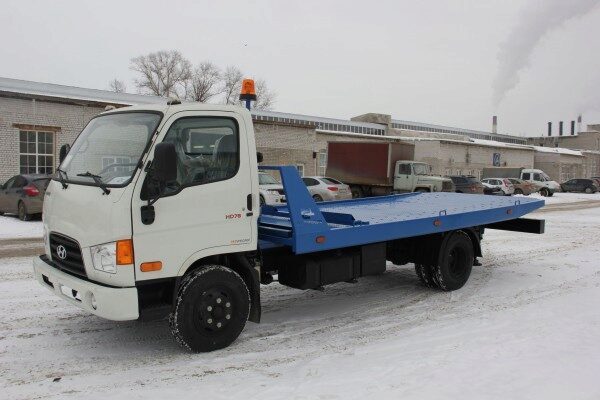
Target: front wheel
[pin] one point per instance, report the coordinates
(23, 215)
(211, 309)
(545, 192)
(518, 191)
(589, 190)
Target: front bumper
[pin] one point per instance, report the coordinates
(117, 304)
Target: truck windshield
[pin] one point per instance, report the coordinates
(110, 147)
(421, 169)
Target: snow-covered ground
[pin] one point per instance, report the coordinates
(12, 227)
(526, 326)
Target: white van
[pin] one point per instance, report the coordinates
(540, 178)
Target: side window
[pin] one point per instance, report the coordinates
(404, 169)
(207, 150)
(526, 176)
(9, 183)
(537, 177)
(19, 182)
(310, 181)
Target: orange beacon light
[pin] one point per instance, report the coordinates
(248, 93)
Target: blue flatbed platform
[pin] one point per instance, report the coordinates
(306, 226)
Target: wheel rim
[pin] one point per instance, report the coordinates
(317, 198)
(215, 310)
(457, 263)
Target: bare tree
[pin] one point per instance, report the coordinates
(232, 84)
(162, 73)
(117, 86)
(203, 82)
(265, 98)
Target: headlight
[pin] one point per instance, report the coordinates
(104, 257)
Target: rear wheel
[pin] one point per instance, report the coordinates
(455, 263)
(518, 191)
(426, 275)
(317, 198)
(211, 309)
(23, 215)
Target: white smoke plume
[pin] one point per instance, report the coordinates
(537, 19)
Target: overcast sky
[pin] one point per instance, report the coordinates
(443, 62)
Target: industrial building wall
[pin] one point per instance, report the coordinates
(452, 158)
(560, 167)
(64, 120)
(591, 163)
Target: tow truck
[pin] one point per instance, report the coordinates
(154, 212)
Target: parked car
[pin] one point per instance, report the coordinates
(492, 190)
(322, 188)
(466, 184)
(503, 183)
(596, 180)
(270, 190)
(23, 195)
(524, 187)
(579, 185)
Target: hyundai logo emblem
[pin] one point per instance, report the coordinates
(61, 252)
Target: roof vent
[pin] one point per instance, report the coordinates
(173, 102)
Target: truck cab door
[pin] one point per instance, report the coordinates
(211, 208)
(403, 181)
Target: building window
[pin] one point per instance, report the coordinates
(321, 163)
(117, 164)
(300, 168)
(36, 152)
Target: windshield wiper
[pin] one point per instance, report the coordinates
(61, 178)
(97, 179)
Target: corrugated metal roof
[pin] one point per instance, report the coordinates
(312, 118)
(74, 93)
(450, 129)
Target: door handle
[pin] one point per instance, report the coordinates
(249, 202)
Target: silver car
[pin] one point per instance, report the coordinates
(322, 188)
(23, 195)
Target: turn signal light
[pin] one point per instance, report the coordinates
(125, 252)
(151, 266)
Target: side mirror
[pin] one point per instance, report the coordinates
(259, 156)
(64, 150)
(164, 166)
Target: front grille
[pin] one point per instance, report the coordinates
(73, 260)
(447, 186)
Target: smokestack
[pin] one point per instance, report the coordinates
(494, 124)
(549, 128)
(560, 128)
(572, 128)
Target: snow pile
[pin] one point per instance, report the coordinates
(13, 228)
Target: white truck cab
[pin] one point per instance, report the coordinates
(101, 205)
(412, 176)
